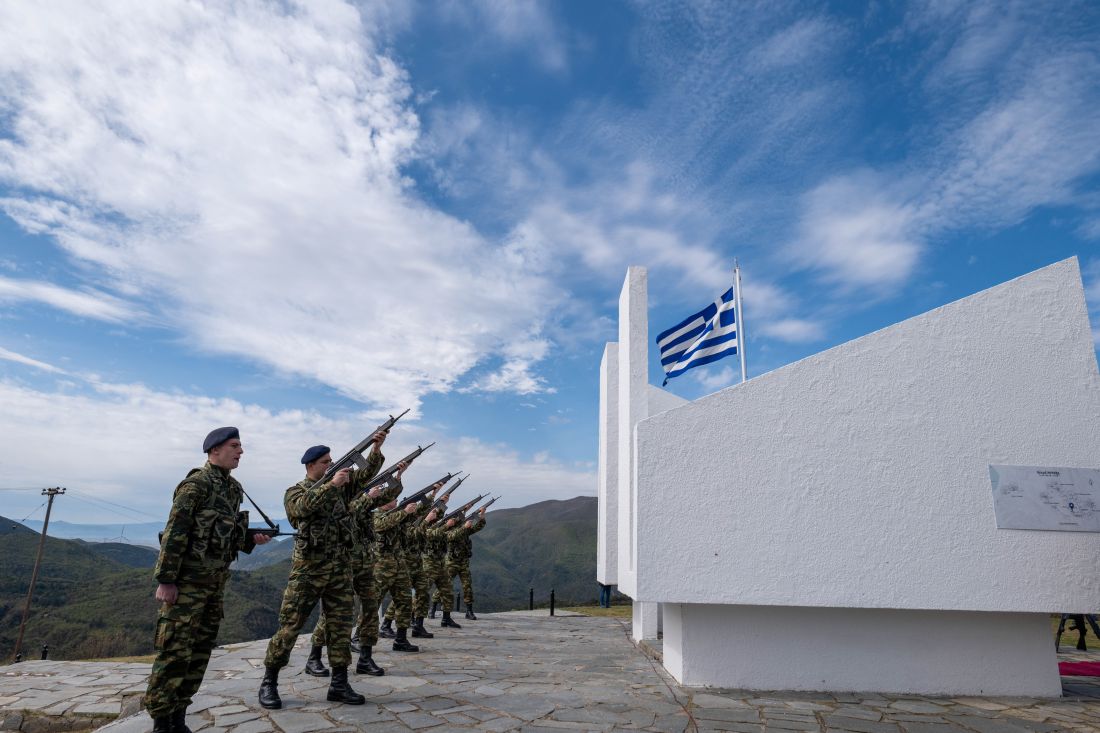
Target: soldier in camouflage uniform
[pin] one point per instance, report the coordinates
(362, 573)
(435, 568)
(391, 572)
(320, 569)
(414, 544)
(205, 531)
(459, 551)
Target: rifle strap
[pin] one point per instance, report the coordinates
(261, 511)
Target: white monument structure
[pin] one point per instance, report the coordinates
(830, 525)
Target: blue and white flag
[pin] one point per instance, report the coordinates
(702, 338)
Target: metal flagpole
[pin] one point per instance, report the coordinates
(740, 317)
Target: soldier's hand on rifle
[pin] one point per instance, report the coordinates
(431, 516)
(167, 593)
(401, 466)
(260, 539)
(450, 523)
(374, 492)
(341, 477)
(377, 439)
(481, 511)
(469, 524)
(411, 508)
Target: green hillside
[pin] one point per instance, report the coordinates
(96, 599)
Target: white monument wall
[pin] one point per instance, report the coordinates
(607, 490)
(858, 479)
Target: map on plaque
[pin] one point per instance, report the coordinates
(1041, 497)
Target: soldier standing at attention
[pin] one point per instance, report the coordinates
(320, 569)
(435, 567)
(459, 551)
(205, 531)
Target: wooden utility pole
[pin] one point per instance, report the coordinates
(51, 493)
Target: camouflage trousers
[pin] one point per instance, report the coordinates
(362, 582)
(392, 576)
(419, 582)
(186, 633)
(461, 568)
(435, 569)
(327, 581)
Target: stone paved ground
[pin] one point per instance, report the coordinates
(515, 672)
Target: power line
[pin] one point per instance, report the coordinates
(32, 512)
(90, 498)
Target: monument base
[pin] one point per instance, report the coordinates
(645, 621)
(855, 650)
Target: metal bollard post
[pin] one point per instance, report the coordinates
(531, 601)
(45, 651)
(551, 601)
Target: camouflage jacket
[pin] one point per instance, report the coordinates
(205, 528)
(459, 546)
(362, 510)
(321, 513)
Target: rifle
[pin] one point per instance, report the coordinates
(413, 498)
(441, 501)
(383, 478)
(462, 509)
(272, 529)
(486, 505)
(354, 458)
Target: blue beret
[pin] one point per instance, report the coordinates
(217, 437)
(312, 454)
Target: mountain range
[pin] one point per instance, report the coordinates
(95, 599)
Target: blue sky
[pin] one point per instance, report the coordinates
(297, 217)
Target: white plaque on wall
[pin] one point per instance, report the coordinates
(1041, 497)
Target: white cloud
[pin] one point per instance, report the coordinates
(521, 24)
(87, 303)
(236, 169)
(857, 234)
(715, 379)
(130, 444)
(793, 330)
(12, 356)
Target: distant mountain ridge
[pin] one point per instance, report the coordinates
(95, 599)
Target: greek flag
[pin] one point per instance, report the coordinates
(702, 338)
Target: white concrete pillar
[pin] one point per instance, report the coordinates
(645, 620)
(633, 379)
(607, 490)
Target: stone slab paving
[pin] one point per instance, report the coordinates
(508, 672)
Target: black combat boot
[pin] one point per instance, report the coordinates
(470, 612)
(449, 622)
(162, 725)
(340, 691)
(386, 629)
(401, 643)
(434, 608)
(269, 689)
(179, 721)
(355, 640)
(419, 632)
(366, 664)
(314, 665)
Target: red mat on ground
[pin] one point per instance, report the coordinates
(1079, 669)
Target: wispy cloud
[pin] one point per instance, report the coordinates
(526, 25)
(86, 303)
(12, 356)
(237, 170)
